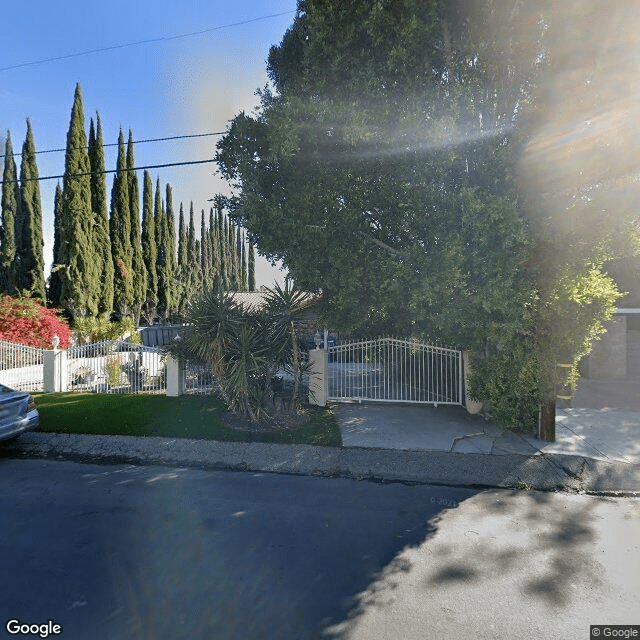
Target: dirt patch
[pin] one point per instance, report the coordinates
(285, 421)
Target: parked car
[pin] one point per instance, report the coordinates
(18, 413)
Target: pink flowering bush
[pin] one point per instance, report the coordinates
(28, 322)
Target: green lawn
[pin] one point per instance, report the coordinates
(158, 415)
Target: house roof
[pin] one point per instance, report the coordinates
(257, 299)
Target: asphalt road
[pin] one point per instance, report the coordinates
(126, 552)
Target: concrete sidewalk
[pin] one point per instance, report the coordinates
(599, 434)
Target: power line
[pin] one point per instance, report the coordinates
(141, 42)
(115, 144)
(88, 173)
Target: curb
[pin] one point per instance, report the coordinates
(543, 471)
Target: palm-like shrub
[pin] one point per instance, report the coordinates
(247, 348)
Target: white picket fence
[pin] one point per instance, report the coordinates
(111, 366)
(116, 366)
(21, 367)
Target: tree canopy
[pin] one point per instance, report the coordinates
(388, 166)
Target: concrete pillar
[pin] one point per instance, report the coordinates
(318, 377)
(55, 370)
(175, 377)
(472, 406)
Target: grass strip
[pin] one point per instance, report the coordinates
(188, 416)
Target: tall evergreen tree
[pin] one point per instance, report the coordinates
(231, 252)
(10, 211)
(222, 245)
(244, 266)
(170, 250)
(183, 263)
(76, 258)
(240, 270)
(164, 276)
(194, 279)
(205, 255)
(53, 292)
(99, 204)
(149, 248)
(138, 269)
(251, 268)
(120, 230)
(213, 247)
(29, 240)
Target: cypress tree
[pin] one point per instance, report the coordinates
(149, 248)
(241, 271)
(231, 251)
(120, 231)
(164, 284)
(213, 247)
(194, 280)
(78, 278)
(29, 241)
(205, 255)
(138, 269)
(10, 212)
(53, 294)
(183, 264)
(99, 204)
(170, 251)
(251, 268)
(222, 247)
(244, 266)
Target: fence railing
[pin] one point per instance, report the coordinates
(21, 367)
(116, 366)
(393, 370)
(197, 378)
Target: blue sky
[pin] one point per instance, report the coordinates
(178, 86)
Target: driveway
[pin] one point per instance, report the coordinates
(600, 425)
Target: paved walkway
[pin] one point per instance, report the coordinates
(600, 434)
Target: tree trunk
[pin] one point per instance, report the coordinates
(547, 420)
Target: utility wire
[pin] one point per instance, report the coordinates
(140, 42)
(115, 144)
(88, 173)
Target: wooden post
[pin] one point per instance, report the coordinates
(547, 420)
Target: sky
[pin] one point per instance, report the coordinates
(172, 86)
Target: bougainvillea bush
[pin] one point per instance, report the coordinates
(26, 321)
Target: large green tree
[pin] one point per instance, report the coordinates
(385, 169)
(9, 212)
(120, 232)
(170, 244)
(183, 264)
(100, 206)
(53, 292)
(372, 179)
(149, 248)
(76, 263)
(29, 240)
(138, 268)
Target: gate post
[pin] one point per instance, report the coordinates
(175, 377)
(54, 363)
(472, 406)
(318, 378)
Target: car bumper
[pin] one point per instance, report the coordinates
(16, 427)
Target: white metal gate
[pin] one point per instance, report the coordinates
(393, 370)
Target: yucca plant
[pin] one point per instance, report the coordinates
(247, 348)
(285, 310)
